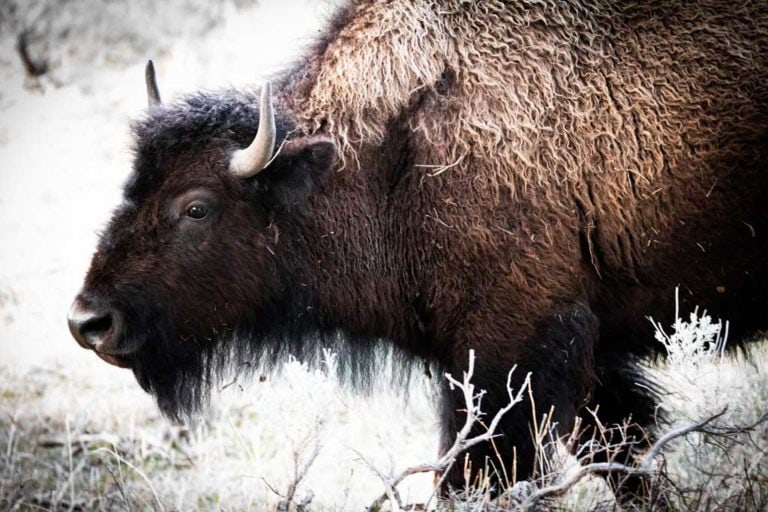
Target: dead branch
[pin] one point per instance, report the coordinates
(643, 469)
(472, 400)
(300, 470)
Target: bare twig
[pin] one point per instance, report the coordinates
(71, 465)
(644, 469)
(139, 472)
(300, 470)
(390, 487)
(120, 488)
(463, 440)
(82, 439)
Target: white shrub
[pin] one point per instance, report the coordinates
(699, 340)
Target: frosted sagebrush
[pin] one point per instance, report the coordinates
(694, 342)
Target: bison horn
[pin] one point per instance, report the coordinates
(249, 161)
(153, 94)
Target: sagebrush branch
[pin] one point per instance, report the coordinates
(643, 469)
(472, 401)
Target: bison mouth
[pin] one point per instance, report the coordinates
(120, 361)
(178, 368)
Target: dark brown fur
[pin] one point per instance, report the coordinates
(535, 205)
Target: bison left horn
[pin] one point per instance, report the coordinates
(153, 93)
(251, 160)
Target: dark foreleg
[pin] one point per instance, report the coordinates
(621, 411)
(559, 355)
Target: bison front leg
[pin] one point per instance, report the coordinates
(626, 402)
(559, 355)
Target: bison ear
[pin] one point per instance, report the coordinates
(296, 169)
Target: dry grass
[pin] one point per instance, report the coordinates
(68, 442)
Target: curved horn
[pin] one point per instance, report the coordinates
(153, 94)
(251, 160)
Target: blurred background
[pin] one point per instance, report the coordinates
(76, 433)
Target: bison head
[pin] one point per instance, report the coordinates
(188, 262)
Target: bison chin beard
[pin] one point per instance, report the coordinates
(179, 387)
(182, 371)
(180, 379)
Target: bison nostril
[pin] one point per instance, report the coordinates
(94, 329)
(98, 327)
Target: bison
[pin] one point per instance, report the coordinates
(530, 180)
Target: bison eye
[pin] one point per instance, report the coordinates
(197, 211)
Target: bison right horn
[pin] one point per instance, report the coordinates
(251, 160)
(153, 93)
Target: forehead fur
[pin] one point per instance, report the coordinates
(204, 120)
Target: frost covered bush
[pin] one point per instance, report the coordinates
(699, 340)
(725, 467)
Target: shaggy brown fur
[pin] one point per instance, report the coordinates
(559, 152)
(528, 179)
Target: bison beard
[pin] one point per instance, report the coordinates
(531, 187)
